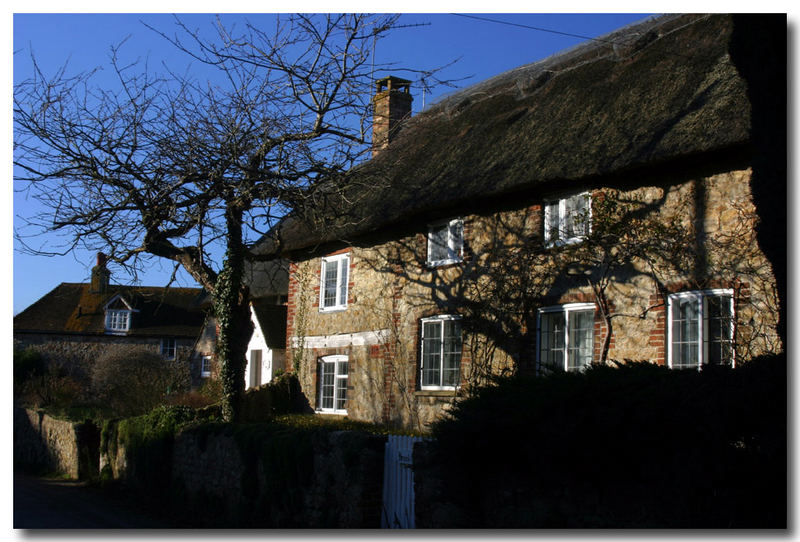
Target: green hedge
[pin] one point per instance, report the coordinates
(634, 446)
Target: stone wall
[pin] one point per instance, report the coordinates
(507, 275)
(44, 443)
(224, 479)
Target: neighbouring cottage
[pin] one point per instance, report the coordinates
(594, 206)
(266, 351)
(86, 320)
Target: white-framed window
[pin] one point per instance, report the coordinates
(118, 321)
(445, 242)
(333, 282)
(333, 384)
(567, 219)
(205, 367)
(168, 347)
(700, 328)
(566, 337)
(440, 366)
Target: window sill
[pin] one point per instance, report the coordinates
(442, 263)
(333, 309)
(331, 412)
(449, 392)
(566, 242)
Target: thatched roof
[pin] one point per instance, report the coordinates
(73, 309)
(646, 94)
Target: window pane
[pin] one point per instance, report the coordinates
(551, 218)
(343, 268)
(685, 332)
(326, 384)
(577, 215)
(581, 339)
(431, 353)
(452, 353)
(330, 279)
(719, 314)
(456, 239)
(437, 239)
(341, 393)
(551, 340)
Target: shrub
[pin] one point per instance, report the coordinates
(134, 379)
(279, 396)
(635, 446)
(41, 383)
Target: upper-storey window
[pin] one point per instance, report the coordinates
(567, 220)
(566, 336)
(700, 328)
(118, 320)
(445, 242)
(333, 282)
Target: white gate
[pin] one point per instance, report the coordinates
(398, 483)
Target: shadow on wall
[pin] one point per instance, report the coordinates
(43, 444)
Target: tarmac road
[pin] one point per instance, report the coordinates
(46, 503)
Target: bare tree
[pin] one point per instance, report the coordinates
(178, 168)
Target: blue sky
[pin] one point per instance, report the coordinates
(483, 48)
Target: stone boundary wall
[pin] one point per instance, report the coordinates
(42, 442)
(215, 483)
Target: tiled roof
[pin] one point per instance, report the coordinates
(71, 308)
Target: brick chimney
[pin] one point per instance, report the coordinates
(100, 275)
(391, 105)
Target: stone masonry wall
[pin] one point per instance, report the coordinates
(504, 280)
(42, 442)
(216, 481)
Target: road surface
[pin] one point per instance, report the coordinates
(45, 503)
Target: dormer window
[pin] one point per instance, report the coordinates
(118, 320)
(568, 219)
(118, 315)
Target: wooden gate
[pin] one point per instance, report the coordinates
(398, 483)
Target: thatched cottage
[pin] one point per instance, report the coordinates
(595, 206)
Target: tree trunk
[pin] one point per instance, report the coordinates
(232, 310)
